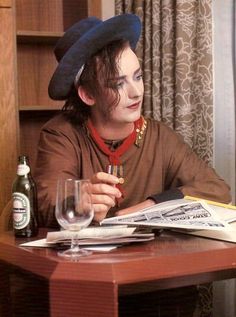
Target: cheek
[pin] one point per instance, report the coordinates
(123, 96)
(118, 100)
(110, 96)
(141, 87)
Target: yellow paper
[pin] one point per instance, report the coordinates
(211, 202)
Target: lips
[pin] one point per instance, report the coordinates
(134, 106)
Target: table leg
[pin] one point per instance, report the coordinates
(5, 292)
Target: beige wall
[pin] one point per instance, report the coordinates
(108, 9)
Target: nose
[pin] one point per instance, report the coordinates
(135, 90)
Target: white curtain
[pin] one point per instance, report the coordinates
(224, 30)
(224, 89)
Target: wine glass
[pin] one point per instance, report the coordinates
(74, 211)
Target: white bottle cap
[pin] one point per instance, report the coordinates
(22, 169)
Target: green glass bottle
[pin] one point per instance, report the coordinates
(25, 207)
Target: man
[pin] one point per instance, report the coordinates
(101, 128)
(133, 162)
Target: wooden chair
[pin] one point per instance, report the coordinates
(5, 217)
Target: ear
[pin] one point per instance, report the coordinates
(85, 96)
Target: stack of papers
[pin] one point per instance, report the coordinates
(93, 236)
(100, 235)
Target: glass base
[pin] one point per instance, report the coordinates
(74, 254)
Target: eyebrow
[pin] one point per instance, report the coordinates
(123, 77)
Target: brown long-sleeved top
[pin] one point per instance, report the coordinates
(162, 167)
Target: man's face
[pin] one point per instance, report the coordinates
(129, 84)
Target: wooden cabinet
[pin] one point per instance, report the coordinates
(29, 30)
(39, 24)
(8, 102)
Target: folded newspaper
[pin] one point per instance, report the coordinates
(190, 215)
(100, 236)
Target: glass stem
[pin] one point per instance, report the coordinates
(74, 243)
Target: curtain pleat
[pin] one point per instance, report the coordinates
(175, 51)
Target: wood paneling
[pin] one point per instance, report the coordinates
(31, 123)
(26, 71)
(38, 29)
(39, 15)
(73, 11)
(49, 15)
(8, 101)
(6, 3)
(36, 64)
(95, 8)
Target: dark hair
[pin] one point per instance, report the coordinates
(97, 74)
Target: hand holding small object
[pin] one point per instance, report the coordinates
(116, 170)
(104, 194)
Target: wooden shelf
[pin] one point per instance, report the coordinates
(27, 63)
(40, 24)
(50, 15)
(36, 64)
(56, 107)
(31, 123)
(38, 37)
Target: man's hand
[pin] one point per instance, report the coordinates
(142, 205)
(104, 194)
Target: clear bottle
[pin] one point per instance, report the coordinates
(25, 207)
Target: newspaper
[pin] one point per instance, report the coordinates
(100, 236)
(195, 215)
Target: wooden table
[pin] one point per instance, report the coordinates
(92, 286)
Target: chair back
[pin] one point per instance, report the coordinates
(6, 218)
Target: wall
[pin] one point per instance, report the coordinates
(224, 16)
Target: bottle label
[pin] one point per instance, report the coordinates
(21, 210)
(22, 169)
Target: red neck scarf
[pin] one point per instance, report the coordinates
(114, 156)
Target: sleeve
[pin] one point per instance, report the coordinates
(187, 174)
(57, 158)
(169, 194)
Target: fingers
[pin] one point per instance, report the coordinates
(99, 216)
(101, 205)
(104, 197)
(102, 177)
(104, 194)
(106, 189)
(101, 201)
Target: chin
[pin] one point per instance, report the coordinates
(129, 117)
(134, 116)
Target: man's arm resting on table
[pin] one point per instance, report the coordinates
(152, 200)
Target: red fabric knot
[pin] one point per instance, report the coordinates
(114, 156)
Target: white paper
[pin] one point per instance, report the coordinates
(90, 233)
(43, 244)
(228, 235)
(36, 243)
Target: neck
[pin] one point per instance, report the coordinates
(111, 131)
